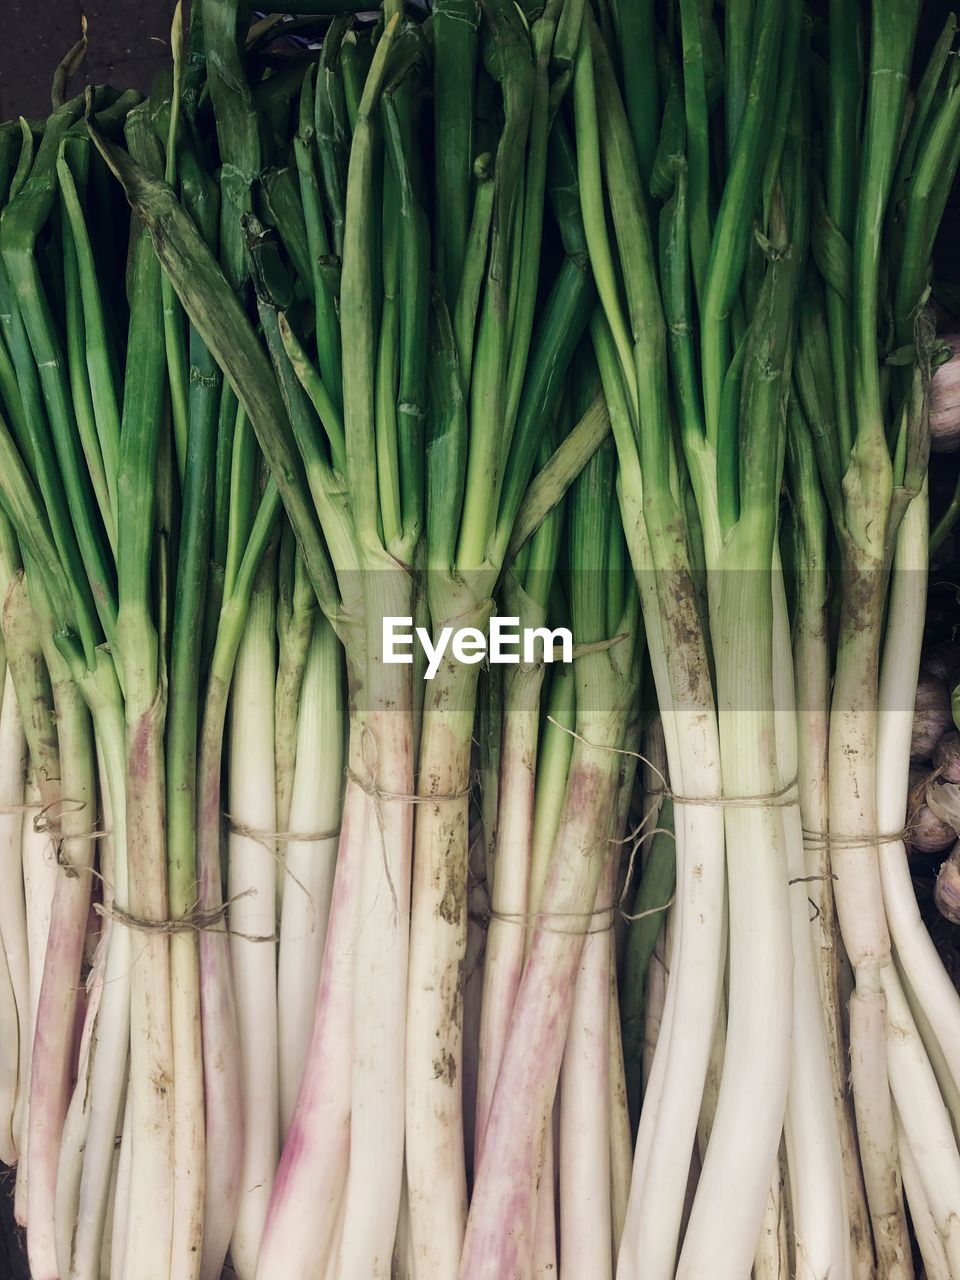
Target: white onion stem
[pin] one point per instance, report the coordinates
(585, 1184)
(309, 865)
(15, 975)
(252, 891)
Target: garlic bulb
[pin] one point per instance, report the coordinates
(945, 400)
(932, 717)
(946, 758)
(946, 892)
(927, 831)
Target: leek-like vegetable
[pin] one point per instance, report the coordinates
(320, 964)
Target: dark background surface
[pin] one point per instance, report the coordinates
(128, 41)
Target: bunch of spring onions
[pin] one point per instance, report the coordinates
(609, 316)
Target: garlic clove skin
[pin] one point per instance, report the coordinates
(946, 758)
(946, 892)
(928, 833)
(945, 400)
(943, 800)
(932, 717)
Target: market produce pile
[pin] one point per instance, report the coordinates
(605, 316)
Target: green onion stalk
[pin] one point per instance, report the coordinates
(296, 613)
(194, 392)
(39, 883)
(235, 518)
(220, 1027)
(435, 1148)
(764, 841)
(730, 421)
(921, 1053)
(80, 776)
(806, 536)
(13, 916)
(56, 1010)
(107, 1069)
(732, 426)
(927, 992)
(658, 550)
(14, 925)
(14, 974)
(59, 913)
(376, 446)
(27, 669)
(155, 1200)
(76, 1128)
(502, 1221)
(225, 529)
(51, 508)
(309, 863)
(595, 1157)
(929, 1241)
(82, 1128)
(525, 595)
(218, 70)
(180, 732)
(514, 874)
(233, 1214)
(226, 475)
(525, 831)
(587, 1082)
(83, 404)
(868, 484)
(496, 376)
(868, 426)
(251, 890)
(816, 1131)
(224, 330)
(247, 1238)
(302, 444)
(553, 765)
(84, 1194)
